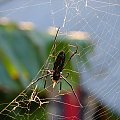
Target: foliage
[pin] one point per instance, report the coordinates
(23, 52)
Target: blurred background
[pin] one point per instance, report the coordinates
(27, 31)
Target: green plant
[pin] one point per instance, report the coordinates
(23, 53)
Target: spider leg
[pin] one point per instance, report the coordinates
(67, 75)
(71, 56)
(72, 90)
(54, 45)
(33, 82)
(60, 86)
(61, 82)
(45, 84)
(50, 73)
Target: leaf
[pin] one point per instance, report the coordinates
(22, 54)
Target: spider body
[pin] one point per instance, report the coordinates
(58, 67)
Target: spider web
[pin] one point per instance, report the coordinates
(101, 20)
(29, 102)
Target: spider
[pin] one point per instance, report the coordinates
(56, 73)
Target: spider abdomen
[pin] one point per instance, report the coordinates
(58, 66)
